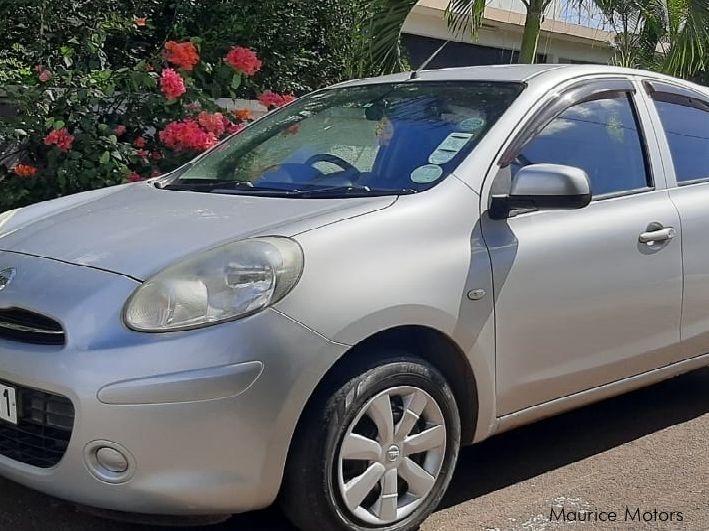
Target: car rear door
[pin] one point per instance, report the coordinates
(580, 300)
(682, 120)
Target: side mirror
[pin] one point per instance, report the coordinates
(544, 187)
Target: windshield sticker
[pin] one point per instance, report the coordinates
(426, 174)
(472, 125)
(449, 148)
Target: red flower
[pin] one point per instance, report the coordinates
(142, 154)
(244, 60)
(25, 170)
(181, 54)
(134, 177)
(140, 142)
(140, 21)
(187, 135)
(155, 173)
(120, 130)
(271, 100)
(172, 84)
(156, 156)
(212, 122)
(45, 75)
(60, 138)
(243, 115)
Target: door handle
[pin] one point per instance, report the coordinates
(657, 235)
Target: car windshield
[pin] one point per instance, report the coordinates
(382, 139)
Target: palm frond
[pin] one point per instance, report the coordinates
(689, 37)
(381, 34)
(462, 15)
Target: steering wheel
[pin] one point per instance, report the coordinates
(349, 171)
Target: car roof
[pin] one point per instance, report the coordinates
(546, 74)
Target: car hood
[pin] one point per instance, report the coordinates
(137, 229)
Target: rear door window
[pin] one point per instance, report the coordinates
(686, 124)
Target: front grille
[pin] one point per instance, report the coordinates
(29, 327)
(45, 423)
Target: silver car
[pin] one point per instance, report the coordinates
(326, 306)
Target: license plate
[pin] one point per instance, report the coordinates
(8, 404)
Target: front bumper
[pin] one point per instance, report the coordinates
(205, 417)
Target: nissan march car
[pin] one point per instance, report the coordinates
(323, 308)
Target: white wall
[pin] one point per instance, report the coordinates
(506, 32)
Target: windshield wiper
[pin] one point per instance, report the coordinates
(353, 191)
(248, 188)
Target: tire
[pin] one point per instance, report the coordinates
(326, 477)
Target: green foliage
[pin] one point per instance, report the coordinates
(89, 66)
(670, 36)
(305, 44)
(114, 116)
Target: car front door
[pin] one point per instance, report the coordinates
(580, 300)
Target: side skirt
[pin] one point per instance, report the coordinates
(595, 394)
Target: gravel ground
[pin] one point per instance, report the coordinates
(647, 451)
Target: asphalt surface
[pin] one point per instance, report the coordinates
(647, 451)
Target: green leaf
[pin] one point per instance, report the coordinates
(58, 124)
(105, 158)
(236, 80)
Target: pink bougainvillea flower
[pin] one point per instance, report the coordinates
(140, 142)
(243, 60)
(194, 106)
(120, 130)
(45, 75)
(155, 173)
(212, 122)
(187, 135)
(272, 100)
(171, 84)
(134, 177)
(38, 67)
(140, 21)
(181, 54)
(60, 138)
(142, 154)
(25, 170)
(156, 156)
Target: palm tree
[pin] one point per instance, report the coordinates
(671, 36)
(679, 29)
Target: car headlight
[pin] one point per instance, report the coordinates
(223, 284)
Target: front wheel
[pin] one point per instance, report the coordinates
(378, 455)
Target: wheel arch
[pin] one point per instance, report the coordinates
(426, 343)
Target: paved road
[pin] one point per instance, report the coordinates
(648, 450)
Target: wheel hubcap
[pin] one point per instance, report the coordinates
(391, 455)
